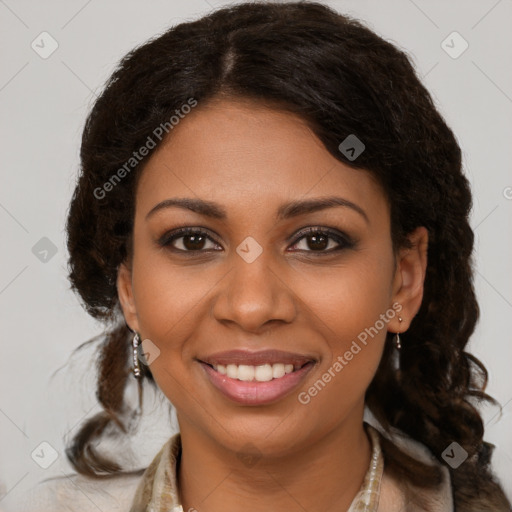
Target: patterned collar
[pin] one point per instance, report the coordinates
(158, 489)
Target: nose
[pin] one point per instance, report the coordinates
(254, 296)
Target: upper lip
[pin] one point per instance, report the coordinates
(256, 358)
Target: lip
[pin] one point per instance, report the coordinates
(256, 393)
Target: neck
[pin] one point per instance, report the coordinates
(326, 475)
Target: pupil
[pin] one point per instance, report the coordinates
(196, 242)
(319, 241)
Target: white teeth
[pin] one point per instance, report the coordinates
(278, 370)
(245, 372)
(232, 371)
(261, 373)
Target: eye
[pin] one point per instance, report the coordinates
(189, 240)
(323, 241)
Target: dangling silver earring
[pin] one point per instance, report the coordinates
(136, 364)
(396, 339)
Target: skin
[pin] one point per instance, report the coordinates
(293, 297)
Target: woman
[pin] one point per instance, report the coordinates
(272, 218)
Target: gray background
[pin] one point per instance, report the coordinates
(43, 105)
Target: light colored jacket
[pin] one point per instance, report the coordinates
(156, 489)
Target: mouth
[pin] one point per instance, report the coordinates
(256, 378)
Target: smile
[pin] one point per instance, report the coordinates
(256, 378)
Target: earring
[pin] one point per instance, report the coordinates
(136, 364)
(396, 339)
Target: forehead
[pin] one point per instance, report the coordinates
(245, 155)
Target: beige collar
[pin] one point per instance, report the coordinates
(158, 488)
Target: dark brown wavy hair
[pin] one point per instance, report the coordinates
(342, 79)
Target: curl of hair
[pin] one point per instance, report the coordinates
(342, 79)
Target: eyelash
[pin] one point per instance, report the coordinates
(344, 241)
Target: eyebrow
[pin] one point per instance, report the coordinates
(285, 211)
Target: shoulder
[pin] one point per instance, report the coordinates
(80, 493)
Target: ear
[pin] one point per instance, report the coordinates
(125, 294)
(408, 281)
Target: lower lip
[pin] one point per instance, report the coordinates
(256, 393)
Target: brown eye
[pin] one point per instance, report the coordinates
(322, 241)
(317, 241)
(193, 242)
(187, 240)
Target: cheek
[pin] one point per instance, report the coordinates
(169, 310)
(347, 299)
(351, 310)
(169, 298)
(342, 378)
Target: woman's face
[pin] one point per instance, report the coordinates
(252, 281)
